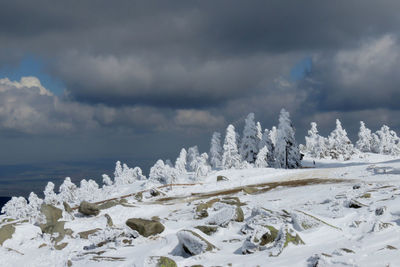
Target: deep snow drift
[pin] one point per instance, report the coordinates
(336, 214)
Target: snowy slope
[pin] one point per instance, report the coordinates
(346, 213)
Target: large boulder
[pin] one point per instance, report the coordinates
(52, 225)
(193, 244)
(6, 232)
(145, 227)
(87, 208)
(225, 214)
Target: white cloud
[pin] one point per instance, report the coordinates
(29, 82)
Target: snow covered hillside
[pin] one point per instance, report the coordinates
(340, 213)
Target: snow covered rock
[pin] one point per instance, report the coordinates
(207, 229)
(225, 214)
(192, 243)
(303, 222)
(87, 208)
(285, 237)
(145, 227)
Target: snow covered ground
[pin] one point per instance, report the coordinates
(336, 214)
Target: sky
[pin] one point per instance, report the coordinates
(84, 84)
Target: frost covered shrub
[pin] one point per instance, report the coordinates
(89, 191)
(49, 196)
(162, 173)
(16, 208)
(68, 191)
(125, 175)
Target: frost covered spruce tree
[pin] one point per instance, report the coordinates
(125, 175)
(287, 153)
(202, 168)
(192, 155)
(248, 147)
(68, 191)
(180, 163)
(259, 131)
(365, 139)
(216, 151)
(262, 158)
(339, 145)
(267, 142)
(230, 156)
(162, 173)
(315, 144)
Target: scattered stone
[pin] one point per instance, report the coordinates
(193, 244)
(69, 263)
(347, 250)
(379, 226)
(201, 209)
(67, 207)
(154, 192)
(226, 214)
(60, 246)
(109, 220)
(302, 222)
(43, 245)
(356, 186)
(239, 214)
(139, 196)
(87, 208)
(354, 204)
(6, 232)
(391, 247)
(380, 211)
(284, 238)
(249, 247)
(269, 236)
(161, 261)
(85, 234)
(108, 204)
(208, 230)
(249, 190)
(221, 178)
(366, 195)
(145, 227)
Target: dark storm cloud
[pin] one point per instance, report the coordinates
(181, 54)
(158, 65)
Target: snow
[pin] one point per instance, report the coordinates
(311, 202)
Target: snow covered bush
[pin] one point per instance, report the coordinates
(162, 173)
(230, 156)
(125, 175)
(287, 153)
(16, 208)
(386, 141)
(50, 196)
(89, 191)
(68, 191)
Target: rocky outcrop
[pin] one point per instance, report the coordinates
(87, 208)
(52, 225)
(208, 230)
(145, 227)
(6, 232)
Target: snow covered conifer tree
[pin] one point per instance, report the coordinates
(340, 146)
(107, 180)
(192, 155)
(365, 140)
(16, 208)
(118, 169)
(162, 173)
(248, 147)
(259, 131)
(137, 174)
(273, 134)
(262, 158)
(230, 156)
(315, 144)
(287, 153)
(203, 168)
(34, 206)
(216, 150)
(180, 163)
(266, 141)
